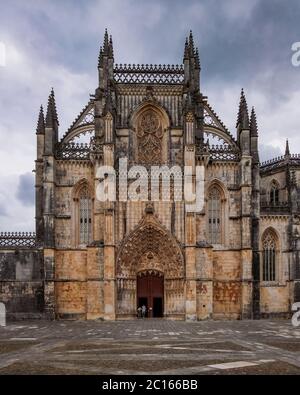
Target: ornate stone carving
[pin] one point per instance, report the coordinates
(150, 133)
(150, 246)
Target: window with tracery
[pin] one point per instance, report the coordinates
(269, 257)
(274, 194)
(150, 133)
(214, 216)
(85, 217)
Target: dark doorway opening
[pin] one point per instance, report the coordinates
(150, 292)
(157, 307)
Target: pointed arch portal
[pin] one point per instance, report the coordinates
(150, 270)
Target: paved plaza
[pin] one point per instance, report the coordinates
(148, 346)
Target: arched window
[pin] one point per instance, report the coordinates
(214, 216)
(274, 194)
(85, 216)
(269, 256)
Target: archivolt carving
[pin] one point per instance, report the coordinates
(150, 247)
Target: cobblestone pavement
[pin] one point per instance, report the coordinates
(150, 347)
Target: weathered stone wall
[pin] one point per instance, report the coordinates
(266, 182)
(275, 297)
(21, 283)
(227, 290)
(79, 283)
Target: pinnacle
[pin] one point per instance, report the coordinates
(253, 124)
(41, 122)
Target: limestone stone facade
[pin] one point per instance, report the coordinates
(237, 257)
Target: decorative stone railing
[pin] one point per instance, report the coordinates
(73, 151)
(274, 208)
(17, 239)
(219, 152)
(148, 74)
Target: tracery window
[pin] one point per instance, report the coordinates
(85, 216)
(269, 257)
(274, 194)
(214, 216)
(150, 133)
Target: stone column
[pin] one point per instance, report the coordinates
(190, 244)
(246, 249)
(109, 247)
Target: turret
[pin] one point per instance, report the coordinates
(51, 139)
(40, 144)
(192, 67)
(106, 62)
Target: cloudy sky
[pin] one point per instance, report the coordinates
(55, 43)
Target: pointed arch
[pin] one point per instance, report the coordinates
(216, 209)
(152, 250)
(144, 106)
(274, 193)
(150, 247)
(82, 213)
(150, 125)
(270, 247)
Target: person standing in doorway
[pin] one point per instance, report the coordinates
(139, 312)
(144, 309)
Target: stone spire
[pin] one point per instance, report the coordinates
(253, 124)
(186, 50)
(197, 59)
(105, 43)
(191, 45)
(287, 149)
(51, 117)
(41, 122)
(243, 116)
(111, 48)
(106, 50)
(100, 58)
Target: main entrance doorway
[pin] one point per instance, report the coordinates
(150, 292)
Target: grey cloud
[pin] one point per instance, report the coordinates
(267, 152)
(3, 211)
(243, 43)
(25, 190)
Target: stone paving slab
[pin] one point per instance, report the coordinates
(150, 347)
